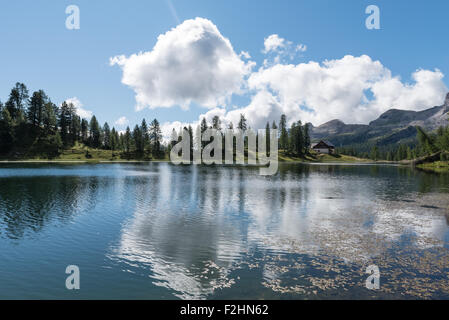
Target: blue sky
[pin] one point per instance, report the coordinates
(38, 50)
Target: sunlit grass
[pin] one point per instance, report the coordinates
(437, 166)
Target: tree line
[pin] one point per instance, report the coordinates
(294, 140)
(32, 125)
(430, 143)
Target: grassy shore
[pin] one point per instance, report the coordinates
(433, 162)
(321, 158)
(437, 166)
(83, 154)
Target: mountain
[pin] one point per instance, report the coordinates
(394, 126)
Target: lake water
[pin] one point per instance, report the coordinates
(157, 231)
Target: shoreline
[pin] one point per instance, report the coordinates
(430, 168)
(168, 161)
(81, 161)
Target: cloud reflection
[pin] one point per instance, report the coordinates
(204, 222)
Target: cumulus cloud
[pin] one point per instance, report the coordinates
(122, 121)
(167, 128)
(263, 107)
(352, 89)
(83, 113)
(428, 90)
(195, 63)
(273, 43)
(280, 50)
(191, 63)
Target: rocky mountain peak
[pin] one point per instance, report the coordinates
(333, 123)
(392, 127)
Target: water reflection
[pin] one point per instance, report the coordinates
(198, 232)
(183, 233)
(28, 205)
(221, 216)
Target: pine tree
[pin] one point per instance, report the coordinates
(121, 142)
(297, 139)
(409, 153)
(17, 102)
(94, 133)
(425, 141)
(76, 128)
(374, 153)
(49, 119)
(107, 136)
(283, 140)
(127, 140)
(242, 123)
(64, 123)
(203, 125)
(145, 135)
(138, 139)
(216, 123)
(6, 132)
(74, 124)
(155, 137)
(307, 140)
(267, 137)
(114, 139)
(36, 108)
(84, 131)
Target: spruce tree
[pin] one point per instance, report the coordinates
(95, 133)
(107, 136)
(283, 140)
(155, 137)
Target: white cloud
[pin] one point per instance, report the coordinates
(262, 108)
(245, 55)
(342, 89)
(195, 63)
(427, 91)
(301, 48)
(280, 50)
(352, 89)
(191, 63)
(83, 113)
(273, 43)
(167, 128)
(122, 121)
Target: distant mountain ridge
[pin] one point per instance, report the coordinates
(393, 126)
